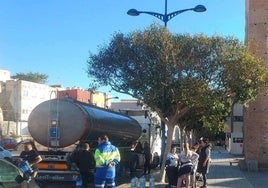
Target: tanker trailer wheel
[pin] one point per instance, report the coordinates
(133, 164)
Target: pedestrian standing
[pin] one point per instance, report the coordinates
(194, 148)
(171, 165)
(187, 159)
(204, 159)
(107, 156)
(32, 156)
(84, 160)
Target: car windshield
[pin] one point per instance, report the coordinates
(8, 171)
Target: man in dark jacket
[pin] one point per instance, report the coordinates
(84, 160)
(204, 159)
(31, 156)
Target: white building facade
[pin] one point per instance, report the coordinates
(149, 121)
(235, 135)
(17, 100)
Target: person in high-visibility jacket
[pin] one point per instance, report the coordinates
(107, 156)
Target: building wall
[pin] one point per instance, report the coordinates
(237, 118)
(78, 94)
(4, 75)
(32, 94)
(96, 98)
(18, 99)
(150, 121)
(256, 115)
(99, 99)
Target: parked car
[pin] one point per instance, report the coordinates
(14, 173)
(4, 153)
(8, 143)
(11, 175)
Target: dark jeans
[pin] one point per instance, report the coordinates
(87, 177)
(147, 167)
(172, 174)
(204, 171)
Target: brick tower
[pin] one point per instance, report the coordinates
(256, 115)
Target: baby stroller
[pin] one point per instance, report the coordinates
(198, 179)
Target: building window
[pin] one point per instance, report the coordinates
(24, 111)
(237, 140)
(25, 93)
(238, 118)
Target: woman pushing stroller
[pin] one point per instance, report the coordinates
(187, 160)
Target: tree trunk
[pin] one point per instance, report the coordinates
(168, 147)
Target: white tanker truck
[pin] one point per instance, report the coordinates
(58, 125)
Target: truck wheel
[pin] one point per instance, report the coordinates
(133, 164)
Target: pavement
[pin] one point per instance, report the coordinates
(222, 174)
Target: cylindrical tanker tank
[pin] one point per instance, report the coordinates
(59, 123)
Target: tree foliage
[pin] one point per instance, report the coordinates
(190, 80)
(32, 77)
(173, 73)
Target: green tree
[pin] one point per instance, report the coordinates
(32, 77)
(179, 74)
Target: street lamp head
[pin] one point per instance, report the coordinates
(200, 8)
(133, 12)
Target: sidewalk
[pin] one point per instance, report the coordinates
(222, 174)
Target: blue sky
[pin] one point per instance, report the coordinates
(54, 37)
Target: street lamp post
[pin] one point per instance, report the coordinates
(165, 18)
